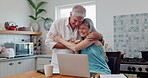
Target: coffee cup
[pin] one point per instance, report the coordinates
(48, 69)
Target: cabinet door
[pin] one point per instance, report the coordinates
(11, 67)
(16, 66)
(25, 65)
(3, 67)
(42, 61)
(20, 64)
(8, 68)
(30, 64)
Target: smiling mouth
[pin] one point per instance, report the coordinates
(82, 34)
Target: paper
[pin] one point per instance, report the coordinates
(113, 76)
(56, 70)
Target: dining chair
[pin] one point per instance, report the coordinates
(114, 59)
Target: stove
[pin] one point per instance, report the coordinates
(137, 66)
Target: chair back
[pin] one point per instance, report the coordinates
(114, 59)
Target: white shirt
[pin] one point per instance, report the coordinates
(62, 27)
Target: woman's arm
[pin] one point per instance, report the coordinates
(75, 47)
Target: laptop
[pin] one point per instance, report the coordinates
(74, 65)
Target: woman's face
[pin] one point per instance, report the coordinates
(83, 30)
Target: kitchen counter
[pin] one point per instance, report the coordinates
(17, 65)
(25, 57)
(34, 74)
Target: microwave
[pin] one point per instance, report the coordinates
(21, 49)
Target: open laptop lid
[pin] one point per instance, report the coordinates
(73, 65)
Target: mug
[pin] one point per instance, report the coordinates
(48, 69)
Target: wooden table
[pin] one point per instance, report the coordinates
(34, 74)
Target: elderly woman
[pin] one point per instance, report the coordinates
(93, 49)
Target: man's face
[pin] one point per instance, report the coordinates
(76, 21)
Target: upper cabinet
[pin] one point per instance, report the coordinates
(20, 32)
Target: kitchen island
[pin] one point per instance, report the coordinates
(34, 74)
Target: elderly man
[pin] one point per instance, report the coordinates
(68, 29)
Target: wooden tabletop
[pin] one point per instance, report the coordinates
(34, 74)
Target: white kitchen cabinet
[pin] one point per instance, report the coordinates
(11, 67)
(25, 65)
(7, 68)
(41, 61)
(16, 66)
(3, 71)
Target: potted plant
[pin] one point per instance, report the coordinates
(37, 11)
(47, 23)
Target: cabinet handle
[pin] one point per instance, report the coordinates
(11, 63)
(19, 62)
(50, 61)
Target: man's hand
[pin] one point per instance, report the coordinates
(94, 36)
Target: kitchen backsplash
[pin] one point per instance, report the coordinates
(131, 34)
(10, 38)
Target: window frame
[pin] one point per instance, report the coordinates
(58, 8)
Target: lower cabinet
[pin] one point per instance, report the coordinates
(3, 69)
(41, 61)
(16, 66)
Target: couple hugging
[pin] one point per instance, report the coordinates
(76, 33)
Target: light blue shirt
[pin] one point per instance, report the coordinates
(96, 59)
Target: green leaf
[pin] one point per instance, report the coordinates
(32, 4)
(49, 19)
(37, 9)
(43, 18)
(40, 4)
(40, 11)
(32, 17)
(38, 17)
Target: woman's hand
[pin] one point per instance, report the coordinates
(77, 41)
(74, 41)
(57, 38)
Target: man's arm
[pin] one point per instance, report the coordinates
(60, 46)
(49, 38)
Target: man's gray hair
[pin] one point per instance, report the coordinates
(79, 10)
(88, 22)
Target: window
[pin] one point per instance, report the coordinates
(64, 11)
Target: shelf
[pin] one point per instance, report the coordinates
(19, 32)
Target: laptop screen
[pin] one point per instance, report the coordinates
(73, 65)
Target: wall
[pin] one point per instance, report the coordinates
(106, 9)
(14, 10)
(11, 38)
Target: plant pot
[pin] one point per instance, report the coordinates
(34, 25)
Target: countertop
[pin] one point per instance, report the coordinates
(25, 57)
(34, 74)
